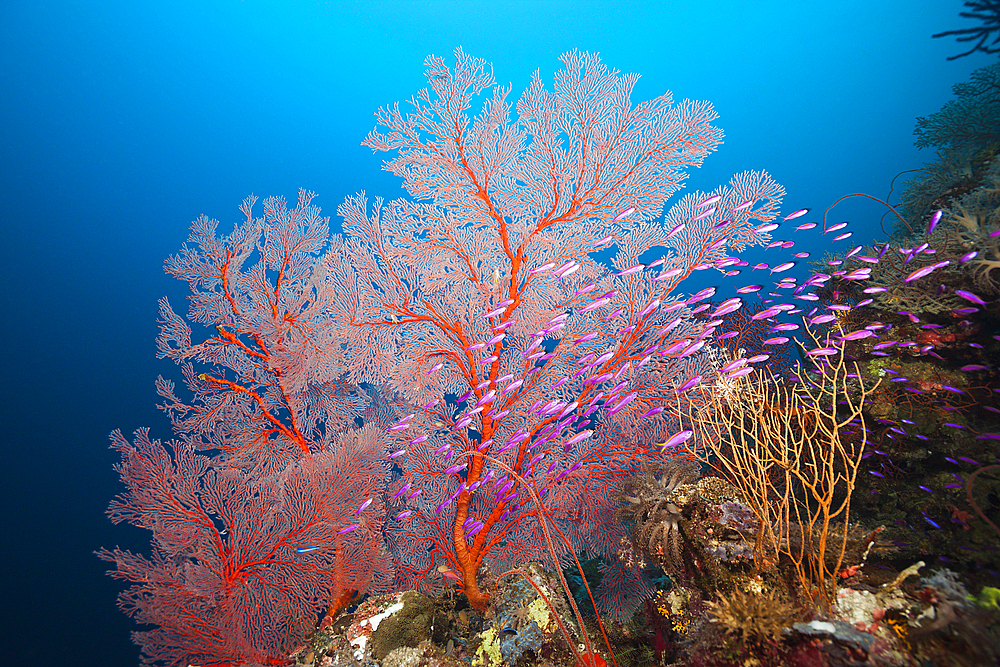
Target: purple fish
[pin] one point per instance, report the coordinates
(919, 273)
(653, 305)
(733, 365)
(822, 319)
(845, 235)
(969, 296)
(740, 372)
(708, 202)
(833, 228)
(703, 215)
(677, 439)
(975, 367)
(796, 214)
(630, 270)
(935, 219)
(727, 306)
(968, 256)
(675, 230)
(808, 225)
(765, 228)
(701, 294)
(782, 267)
(858, 335)
(624, 214)
(823, 352)
(743, 206)
(690, 383)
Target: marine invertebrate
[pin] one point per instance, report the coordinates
(988, 12)
(784, 447)
(752, 618)
(490, 270)
(656, 519)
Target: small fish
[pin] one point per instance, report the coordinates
(823, 352)
(796, 214)
(677, 229)
(808, 225)
(708, 202)
(743, 206)
(749, 288)
(701, 294)
(624, 214)
(653, 305)
(858, 335)
(543, 267)
(348, 529)
(877, 474)
(676, 439)
(727, 306)
(969, 296)
(783, 267)
(630, 270)
(836, 227)
(975, 367)
(928, 520)
(935, 219)
(968, 257)
(508, 632)
(690, 383)
(703, 215)
(364, 506)
(305, 550)
(845, 235)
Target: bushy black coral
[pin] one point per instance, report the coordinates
(752, 618)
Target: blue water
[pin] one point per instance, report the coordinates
(120, 122)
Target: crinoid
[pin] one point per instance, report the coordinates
(752, 618)
(656, 520)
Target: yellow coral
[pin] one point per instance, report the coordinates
(539, 612)
(662, 606)
(488, 646)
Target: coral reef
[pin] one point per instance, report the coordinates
(752, 618)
